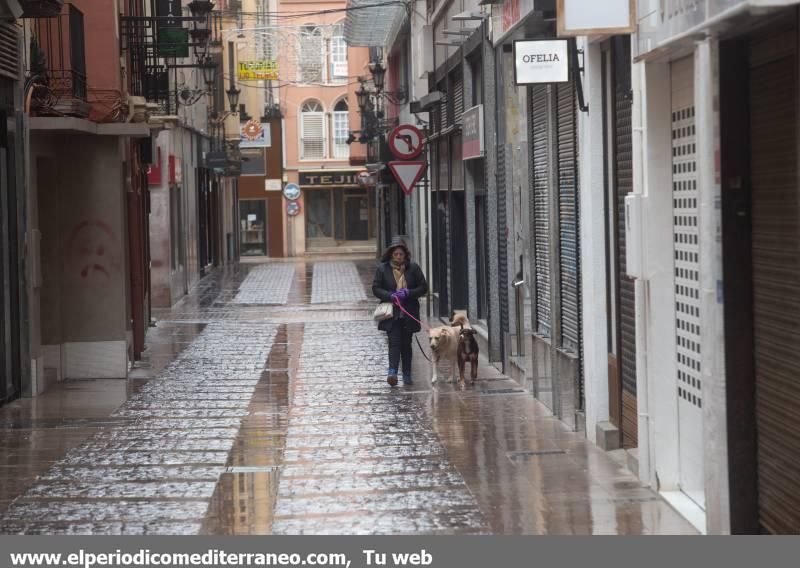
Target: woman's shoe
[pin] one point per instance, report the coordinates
(407, 380)
(392, 378)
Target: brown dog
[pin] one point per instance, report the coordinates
(444, 345)
(467, 351)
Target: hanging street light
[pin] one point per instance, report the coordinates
(200, 10)
(378, 75)
(209, 71)
(233, 98)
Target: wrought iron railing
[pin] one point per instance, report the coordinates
(58, 53)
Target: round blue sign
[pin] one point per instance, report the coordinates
(291, 191)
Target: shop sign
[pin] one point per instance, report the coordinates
(541, 61)
(591, 18)
(329, 179)
(254, 134)
(507, 15)
(272, 185)
(216, 160)
(172, 38)
(472, 145)
(261, 70)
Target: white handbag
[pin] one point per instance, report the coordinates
(384, 311)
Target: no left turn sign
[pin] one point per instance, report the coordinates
(406, 142)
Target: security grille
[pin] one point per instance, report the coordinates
(569, 246)
(502, 237)
(541, 213)
(687, 282)
(458, 99)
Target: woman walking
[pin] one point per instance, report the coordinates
(399, 279)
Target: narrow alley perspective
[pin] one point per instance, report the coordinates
(261, 406)
(246, 246)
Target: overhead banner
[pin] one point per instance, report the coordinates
(264, 70)
(254, 134)
(541, 61)
(591, 18)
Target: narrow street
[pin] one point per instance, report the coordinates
(261, 407)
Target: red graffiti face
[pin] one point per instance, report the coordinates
(88, 248)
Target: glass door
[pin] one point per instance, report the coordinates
(253, 227)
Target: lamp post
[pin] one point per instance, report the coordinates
(233, 98)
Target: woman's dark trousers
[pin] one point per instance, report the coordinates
(400, 347)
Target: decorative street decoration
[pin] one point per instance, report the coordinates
(292, 208)
(291, 191)
(541, 61)
(406, 142)
(407, 174)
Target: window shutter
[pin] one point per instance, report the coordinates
(312, 135)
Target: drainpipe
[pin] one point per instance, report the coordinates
(642, 285)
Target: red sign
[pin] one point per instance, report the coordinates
(407, 174)
(406, 142)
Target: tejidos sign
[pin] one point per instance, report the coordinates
(332, 178)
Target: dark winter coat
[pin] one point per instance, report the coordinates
(384, 284)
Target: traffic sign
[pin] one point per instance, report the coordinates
(406, 142)
(292, 208)
(407, 174)
(291, 191)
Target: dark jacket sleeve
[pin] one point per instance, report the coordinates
(378, 286)
(422, 285)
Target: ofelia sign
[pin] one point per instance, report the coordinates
(541, 61)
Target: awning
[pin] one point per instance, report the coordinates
(83, 126)
(373, 23)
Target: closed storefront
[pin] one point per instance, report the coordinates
(337, 209)
(555, 246)
(620, 299)
(776, 276)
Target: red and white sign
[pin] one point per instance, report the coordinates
(154, 170)
(406, 142)
(407, 174)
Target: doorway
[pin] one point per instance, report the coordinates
(253, 227)
(356, 217)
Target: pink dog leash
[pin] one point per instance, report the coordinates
(399, 305)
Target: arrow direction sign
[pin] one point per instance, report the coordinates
(406, 141)
(407, 174)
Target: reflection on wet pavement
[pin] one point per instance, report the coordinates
(256, 410)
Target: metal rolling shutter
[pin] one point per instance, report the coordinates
(540, 207)
(776, 280)
(569, 250)
(623, 155)
(502, 238)
(458, 98)
(9, 53)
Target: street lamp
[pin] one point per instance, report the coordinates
(209, 70)
(362, 95)
(200, 10)
(233, 98)
(378, 74)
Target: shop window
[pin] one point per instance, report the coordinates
(312, 131)
(341, 129)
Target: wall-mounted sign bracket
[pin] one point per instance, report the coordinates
(577, 70)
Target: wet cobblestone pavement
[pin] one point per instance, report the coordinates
(261, 407)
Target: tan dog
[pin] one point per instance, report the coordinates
(444, 346)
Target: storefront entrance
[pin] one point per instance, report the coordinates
(356, 217)
(253, 227)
